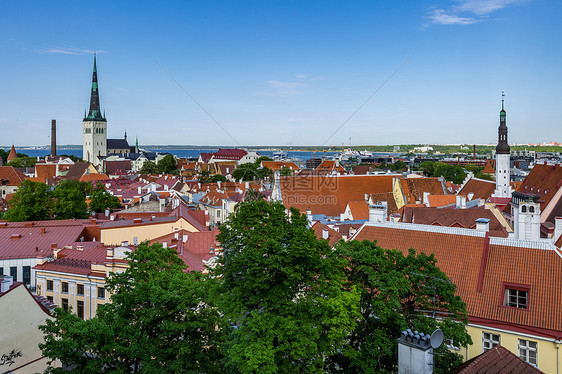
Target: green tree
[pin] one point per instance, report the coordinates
(4, 155)
(158, 321)
(70, 199)
(167, 165)
(149, 167)
(399, 165)
(283, 290)
(23, 162)
(285, 171)
(397, 293)
(100, 199)
(31, 202)
(427, 167)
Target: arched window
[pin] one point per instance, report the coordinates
(524, 209)
(531, 209)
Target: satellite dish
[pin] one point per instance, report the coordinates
(436, 338)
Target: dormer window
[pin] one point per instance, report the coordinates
(516, 297)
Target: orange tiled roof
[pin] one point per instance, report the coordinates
(359, 209)
(333, 235)
(12, 155)
(481, 267)
(415, 187)
(93, 177)
(543, 180)
(330, 194)
(441, 200)
(13, 176)
(488, 169)
(482, 189)
(278, 165)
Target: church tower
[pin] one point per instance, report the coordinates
(503, 187)
(94, 126)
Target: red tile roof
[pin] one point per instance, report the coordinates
(441, 200)
(415, 187)
(452, 217)
(278, 165)
(13, 176)
(488, 169)
(330, 194)
(545, 181)
(12, 155)
(481, 267)
(333, 235)
(33, 239)
(482, 189)
(359, 209)
(497, 360)
(77, 261)
(229, 154)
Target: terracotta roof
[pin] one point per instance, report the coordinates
(11, 175)
(333, 235)
(330, 166)
(452, 217)
(359, 209)
(329, 195)
(194, 248)
(364, 169)
(278, 165)
(77, 261)
(115, 165)
(441, 200)
(229, 154)
(205, 157)
(45, 171)
(497, 360)
(415, 187)
(389, 198)
(543, 180)
(77, 170)
(93, 177)
(477, 265)
(488, 169)
(12, 155)
(482, 189)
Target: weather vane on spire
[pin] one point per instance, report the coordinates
(503, 95)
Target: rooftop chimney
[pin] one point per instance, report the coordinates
(6, 282)
(325, 234)
(483, 224)
(377, 212)
(557, 228)
(415, 353)
(53, 137)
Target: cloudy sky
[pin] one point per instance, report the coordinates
(282, 72)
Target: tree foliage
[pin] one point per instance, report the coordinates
(70, 199)
(167, 165)
(453, 173)
(158, 321)
(206, 177)
(397, 293)
(100, 200)
(23, 162)
(251, 171)
(149, 167)
(282, 289)
(31, 202)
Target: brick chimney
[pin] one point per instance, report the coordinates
(53, 137)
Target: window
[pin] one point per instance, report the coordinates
(27, 274)
(64, 288)
(80, 290)
(49, 285)
(489, 340)
(1, 271)
(50, 298)
(14, 272)
(531, 209)
(101, 293)
(449, 343)
(527, 351)
(64, 303)
(80, 309)
(524, 209)
(516, 298)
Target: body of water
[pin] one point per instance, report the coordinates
(192, 153)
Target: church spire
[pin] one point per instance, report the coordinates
(503, 146)
(95, 111)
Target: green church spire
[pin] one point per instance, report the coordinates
(95, 111)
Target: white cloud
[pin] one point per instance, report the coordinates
(440, 17)
(286, 88)
(467, 12)
(300, 76)
(66, 51)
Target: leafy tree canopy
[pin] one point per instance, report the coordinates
(100, 199)
(251, 172)
(70, 199)
(397, 293)
(23, 162)
(31, 202)
(158, 321)
(283, 290)
(149, 167)
(167, 165)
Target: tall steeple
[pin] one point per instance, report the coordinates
(503, 163)
(503, 146)
(95, 112)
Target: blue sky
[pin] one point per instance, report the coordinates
(283, 72)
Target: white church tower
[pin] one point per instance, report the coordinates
(94, 126)
(503, 186)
